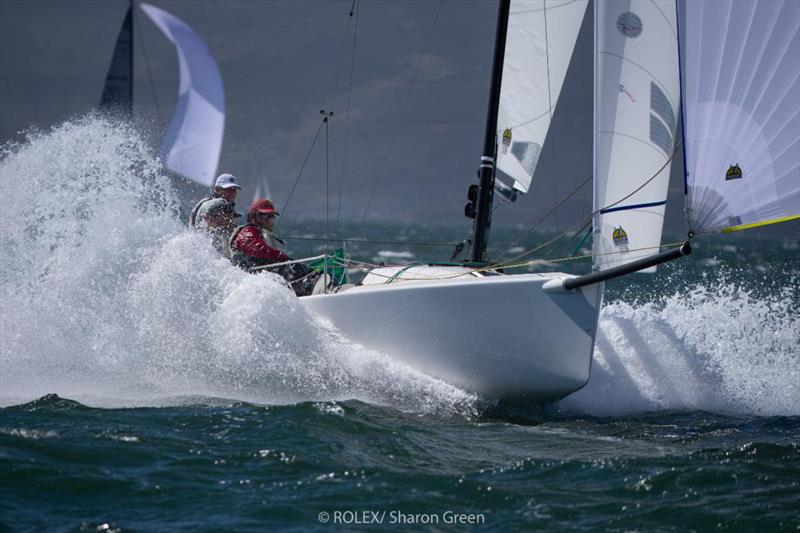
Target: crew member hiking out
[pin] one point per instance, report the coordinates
(225, 187)
(255, 245)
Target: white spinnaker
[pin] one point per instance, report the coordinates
(541, 38)
(741, 88)
(193, 142)
(636, 110)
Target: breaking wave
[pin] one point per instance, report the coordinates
(106, 297)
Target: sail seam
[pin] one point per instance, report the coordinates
(646, 143)
(674, 30)
(538, 10)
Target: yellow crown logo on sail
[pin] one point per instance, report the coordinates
(507, 136)
(734, 172)
(620, 236)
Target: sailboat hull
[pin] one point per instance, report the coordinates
(498, 336)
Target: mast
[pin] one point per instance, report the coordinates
(483, 213)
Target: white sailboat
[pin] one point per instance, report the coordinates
(532, 335)
(502, 335)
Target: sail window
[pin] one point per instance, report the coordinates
(660, 105)
(660, 135)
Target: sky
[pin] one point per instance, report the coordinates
(409, 93)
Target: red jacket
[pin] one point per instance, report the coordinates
(252, 244)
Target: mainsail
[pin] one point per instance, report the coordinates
(194, 138)
(118, 89)
(541, 38)
(636, 109)
(741, 106)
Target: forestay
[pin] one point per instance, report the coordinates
(541, 38)
(636, 109)
(192, 145)
(740, 63)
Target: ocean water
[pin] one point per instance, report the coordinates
(146, 385)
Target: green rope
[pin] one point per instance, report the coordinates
(583, 241)
(399, 272)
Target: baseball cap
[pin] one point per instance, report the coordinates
(226, 181)
(263, 205)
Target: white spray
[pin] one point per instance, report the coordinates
(107, 297)
(716, 347)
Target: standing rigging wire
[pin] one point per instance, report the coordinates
(591, 215)
(402, 111)
(327, 115)
(355, 8)
(550, 110)
(339, 174)
(300, 173)
(329, 131)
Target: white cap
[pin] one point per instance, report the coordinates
(226, 181)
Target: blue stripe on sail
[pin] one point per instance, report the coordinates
(626, 207)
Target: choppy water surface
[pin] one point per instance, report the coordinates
(193, 396)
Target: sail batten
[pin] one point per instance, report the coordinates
(741, 88)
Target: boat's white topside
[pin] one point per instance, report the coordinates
(496, 335)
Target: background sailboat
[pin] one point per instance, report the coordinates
(193, 141)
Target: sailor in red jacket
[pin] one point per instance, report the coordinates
(255, 245)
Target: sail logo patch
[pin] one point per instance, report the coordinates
(620, 236)
(629, 24)
(734, 172)
(506, 140)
